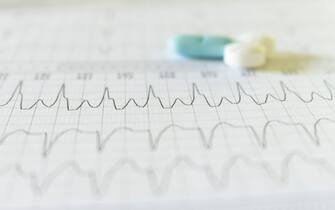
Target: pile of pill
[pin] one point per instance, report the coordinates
(245, 51)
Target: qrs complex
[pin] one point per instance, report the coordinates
(160, 182)
(151, 94)
(153, 141)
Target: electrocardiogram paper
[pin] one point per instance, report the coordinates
(93, 115)
(187, 130)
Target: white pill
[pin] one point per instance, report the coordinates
(267, 41)
(244, 55)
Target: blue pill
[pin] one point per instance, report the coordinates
(200, 47)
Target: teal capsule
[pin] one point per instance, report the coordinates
(200, 47)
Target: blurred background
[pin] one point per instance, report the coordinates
(57, 30)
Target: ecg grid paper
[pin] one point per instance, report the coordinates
(162, 131)
(94, 116)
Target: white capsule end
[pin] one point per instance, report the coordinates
(244, 55)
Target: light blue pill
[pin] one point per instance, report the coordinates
(200, 47)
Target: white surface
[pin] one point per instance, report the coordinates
(245, 55)
(152, 133)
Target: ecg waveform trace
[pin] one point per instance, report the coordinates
(159, 182)
(153, 141)
(195, 91)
